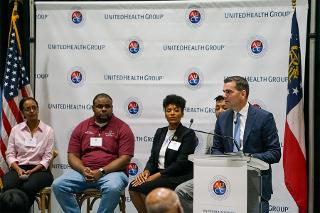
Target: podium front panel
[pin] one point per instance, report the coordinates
(220, 185)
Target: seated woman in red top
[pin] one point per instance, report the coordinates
(168, 165)
(29, 152)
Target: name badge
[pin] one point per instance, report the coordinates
(174, 145)
(31, 142)
(95, 141)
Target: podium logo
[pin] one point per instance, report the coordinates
(219, 187)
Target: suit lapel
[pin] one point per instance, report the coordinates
(162, 137)
(229, 130)
(249, 124)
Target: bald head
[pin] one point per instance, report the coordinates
(163, 200)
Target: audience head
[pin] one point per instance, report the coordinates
(220, 105)
(173, 106)
(14, 201)
(29, 108)
(163, 200)
(236, 91)
(102, 108)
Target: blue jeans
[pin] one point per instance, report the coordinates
(71, 182)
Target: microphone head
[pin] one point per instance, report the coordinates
(191, 122)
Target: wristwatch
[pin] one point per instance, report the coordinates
(102, 171)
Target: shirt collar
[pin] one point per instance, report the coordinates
(40, 127)
(243, 111)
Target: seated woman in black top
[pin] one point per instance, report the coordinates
(168, 164)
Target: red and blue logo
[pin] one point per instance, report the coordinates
(133, 107)
(133, 169)
(194, 16)
(257, 46)
(193, 78)
(76, 77)
(76, 17)
(219, 187)
(134, 47)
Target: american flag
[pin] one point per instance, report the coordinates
(16, 85)
(294, 153)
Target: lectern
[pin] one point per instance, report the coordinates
(227, 183)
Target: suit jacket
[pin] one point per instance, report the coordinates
(176, 162)
(260, 139)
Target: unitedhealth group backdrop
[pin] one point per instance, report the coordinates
(139, 52)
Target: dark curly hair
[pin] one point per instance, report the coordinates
(174, 99)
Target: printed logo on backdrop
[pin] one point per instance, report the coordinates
(42, 76)
(41, 16)
(134, 168)
(76, 77)
(133, 107)
(134, 47)
(194, 16)
(219, 187)
(76, 17)
(273, 208)
(69, 106)
(146, 138)
(265, 79)
(257, 46)
(193, 78)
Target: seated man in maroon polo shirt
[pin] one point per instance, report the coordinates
(100, 148)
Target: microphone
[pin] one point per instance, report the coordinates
(191, 122)
(234, 142)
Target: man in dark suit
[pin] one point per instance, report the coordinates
(256, 131)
